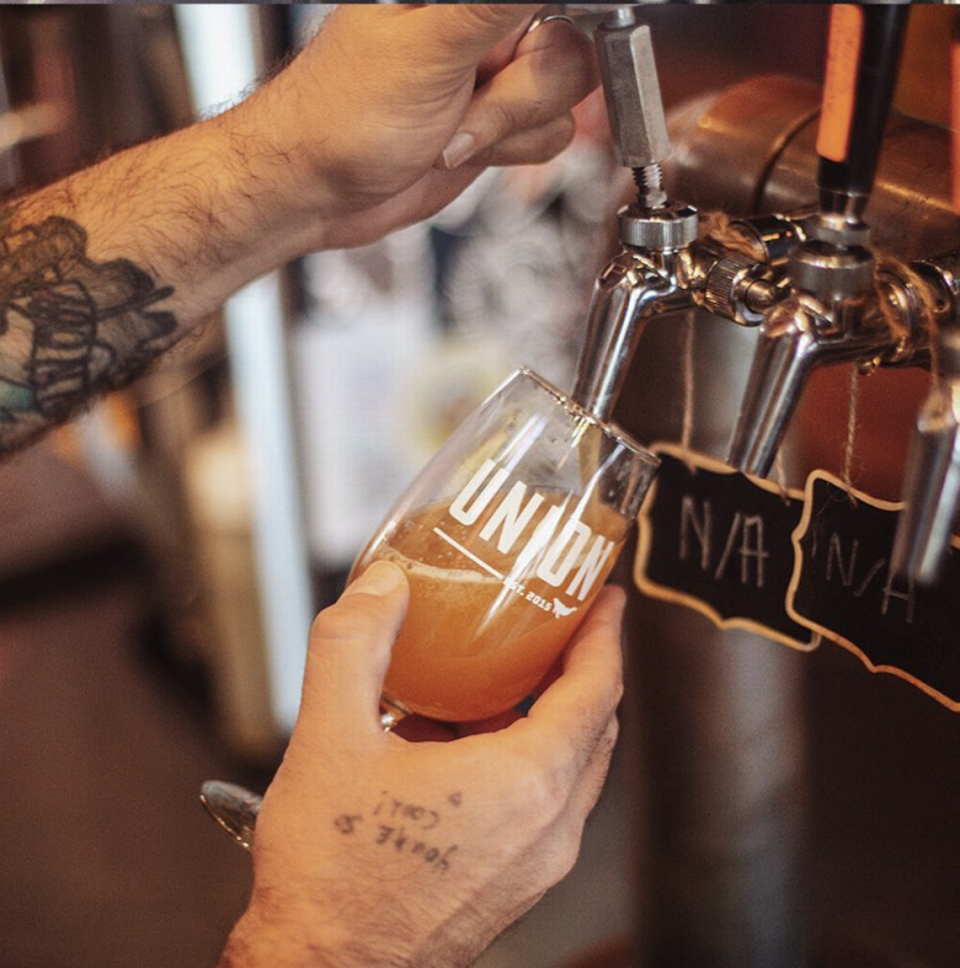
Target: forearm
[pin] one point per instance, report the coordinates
(102, 272)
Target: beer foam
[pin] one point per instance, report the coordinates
(462, 576)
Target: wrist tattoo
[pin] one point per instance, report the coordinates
(70, 328)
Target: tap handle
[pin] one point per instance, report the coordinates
(955, 115)
(631, 87)
(863, 57)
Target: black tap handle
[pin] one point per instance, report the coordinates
(863, 57)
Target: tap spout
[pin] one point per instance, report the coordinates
(932, 484)
(629, 291)
(796, 338)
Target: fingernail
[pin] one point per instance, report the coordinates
(462, 145)
(380, 578)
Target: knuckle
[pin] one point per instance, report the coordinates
(506, 117)
(567, 56)
(561, 133)
(550, 783)
(541, 787)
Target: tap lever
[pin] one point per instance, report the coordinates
(631, 88)
(863, 58)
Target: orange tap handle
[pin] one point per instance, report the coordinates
(955, 117)
(863, 58)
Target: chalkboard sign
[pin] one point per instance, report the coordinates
(844, 587)
(720, 542)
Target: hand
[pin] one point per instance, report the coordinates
(375, 851)
(368, 120)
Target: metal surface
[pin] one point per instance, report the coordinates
(834, 315)
(632, 92)
(717, 716)
(630, 290)
(673, 272)
(673, 226)
(642, 281)
(909, 214)
(724, 746)
(797, 336)
(750, 150)
(932, 483)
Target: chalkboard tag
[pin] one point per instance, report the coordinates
(843, 587)
(720, 542)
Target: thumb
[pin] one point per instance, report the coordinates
(350, 645)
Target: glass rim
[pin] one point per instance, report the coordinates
(568, 403)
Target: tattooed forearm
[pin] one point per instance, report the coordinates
(70, 327)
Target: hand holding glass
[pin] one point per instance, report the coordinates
(506, 537)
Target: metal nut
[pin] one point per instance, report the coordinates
(671, 227)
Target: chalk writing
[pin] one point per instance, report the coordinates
(845, 588)
(720, 542)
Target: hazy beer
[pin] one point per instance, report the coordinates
(506, 537)
(473, 643)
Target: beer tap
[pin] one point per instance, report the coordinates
(661, 268)
(834, 312)
(931, 492)
(932, 481)
(643, 279)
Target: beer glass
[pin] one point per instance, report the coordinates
(506, 537)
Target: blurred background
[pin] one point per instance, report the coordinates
(162, 556)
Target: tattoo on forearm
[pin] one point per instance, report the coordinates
(405, 827)
(70, 328)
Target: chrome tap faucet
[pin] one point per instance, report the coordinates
(932, 482)
(834, 312)
(661, 268)
(642, 280)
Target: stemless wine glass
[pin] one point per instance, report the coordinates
(506, 537)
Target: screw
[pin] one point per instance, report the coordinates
(649, 182)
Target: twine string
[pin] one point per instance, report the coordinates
(847, 471)
(686, 430)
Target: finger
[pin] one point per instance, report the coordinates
(569, 720)
(350, 646)
(554, 69)
(530, 147)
